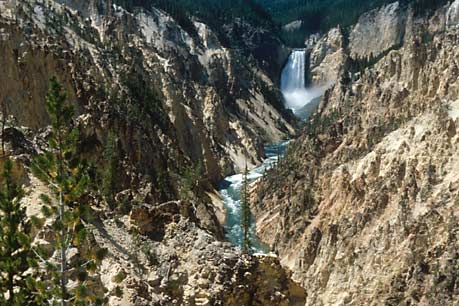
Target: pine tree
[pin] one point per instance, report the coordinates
(16, 257)
(110, 171)
(245, 213)
(61, 168)
(191, 182)
(4, 116)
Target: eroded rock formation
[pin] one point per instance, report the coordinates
(168, 100)
(364, 206)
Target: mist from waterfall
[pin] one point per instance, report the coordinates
(302, 101)
(293, 82)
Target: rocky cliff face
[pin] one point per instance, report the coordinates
(169, 100)
(260, 44)
(327, 56)
(364, 205)
(178, 263)
(378, 31)
(375, 32)
(102, 52)
(158, 255)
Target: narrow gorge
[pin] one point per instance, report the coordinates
(302, 100)
(138, 135)
(364, 207)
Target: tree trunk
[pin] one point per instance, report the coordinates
(63, 249)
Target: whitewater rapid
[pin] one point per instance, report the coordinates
(230, 191)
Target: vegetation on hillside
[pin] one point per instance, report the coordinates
(214, 13)
(315, 15)
(61, 168)
(321, 15)
(17, 286)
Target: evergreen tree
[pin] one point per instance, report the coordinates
(110, 171)
(67, 177)
(191, 182)
(16, 257)
(4, 116)
(245, 214)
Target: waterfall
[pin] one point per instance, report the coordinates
(293, 83)
(301, 100)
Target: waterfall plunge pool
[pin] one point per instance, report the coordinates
(302, 100)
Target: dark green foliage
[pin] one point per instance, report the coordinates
(118, 278)
(171, 7)
(145, 102)
(316, 15)
(61, 168)
(190, 186)
(225, 11)
(118, 291)
(245, 213)
(424, 7)
(110, 172)
(215, 13)
(209, 10)
(218, 13)
(16, 255)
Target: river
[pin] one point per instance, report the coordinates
(301, 100)
(230, 191)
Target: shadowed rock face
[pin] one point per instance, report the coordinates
(364, 206)
(170, 102)
(104, 54)
(262, 44)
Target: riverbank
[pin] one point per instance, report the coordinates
(230, 193)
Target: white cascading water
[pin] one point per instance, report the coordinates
(230, 191)
(293, 82)
(298, 98)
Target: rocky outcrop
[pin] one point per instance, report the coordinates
(293, 26)
(260, 43)
(377, 31)
(326, 58)
(189, 267)
(102, 54)
(452, 16)
(159, 256)
(166, 103)
(363, 207)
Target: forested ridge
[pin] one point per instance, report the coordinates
(321, 15)
(214, 13)
(315, 15)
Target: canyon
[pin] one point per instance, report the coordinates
(351, 145)
(363, 207)
(170, 101)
